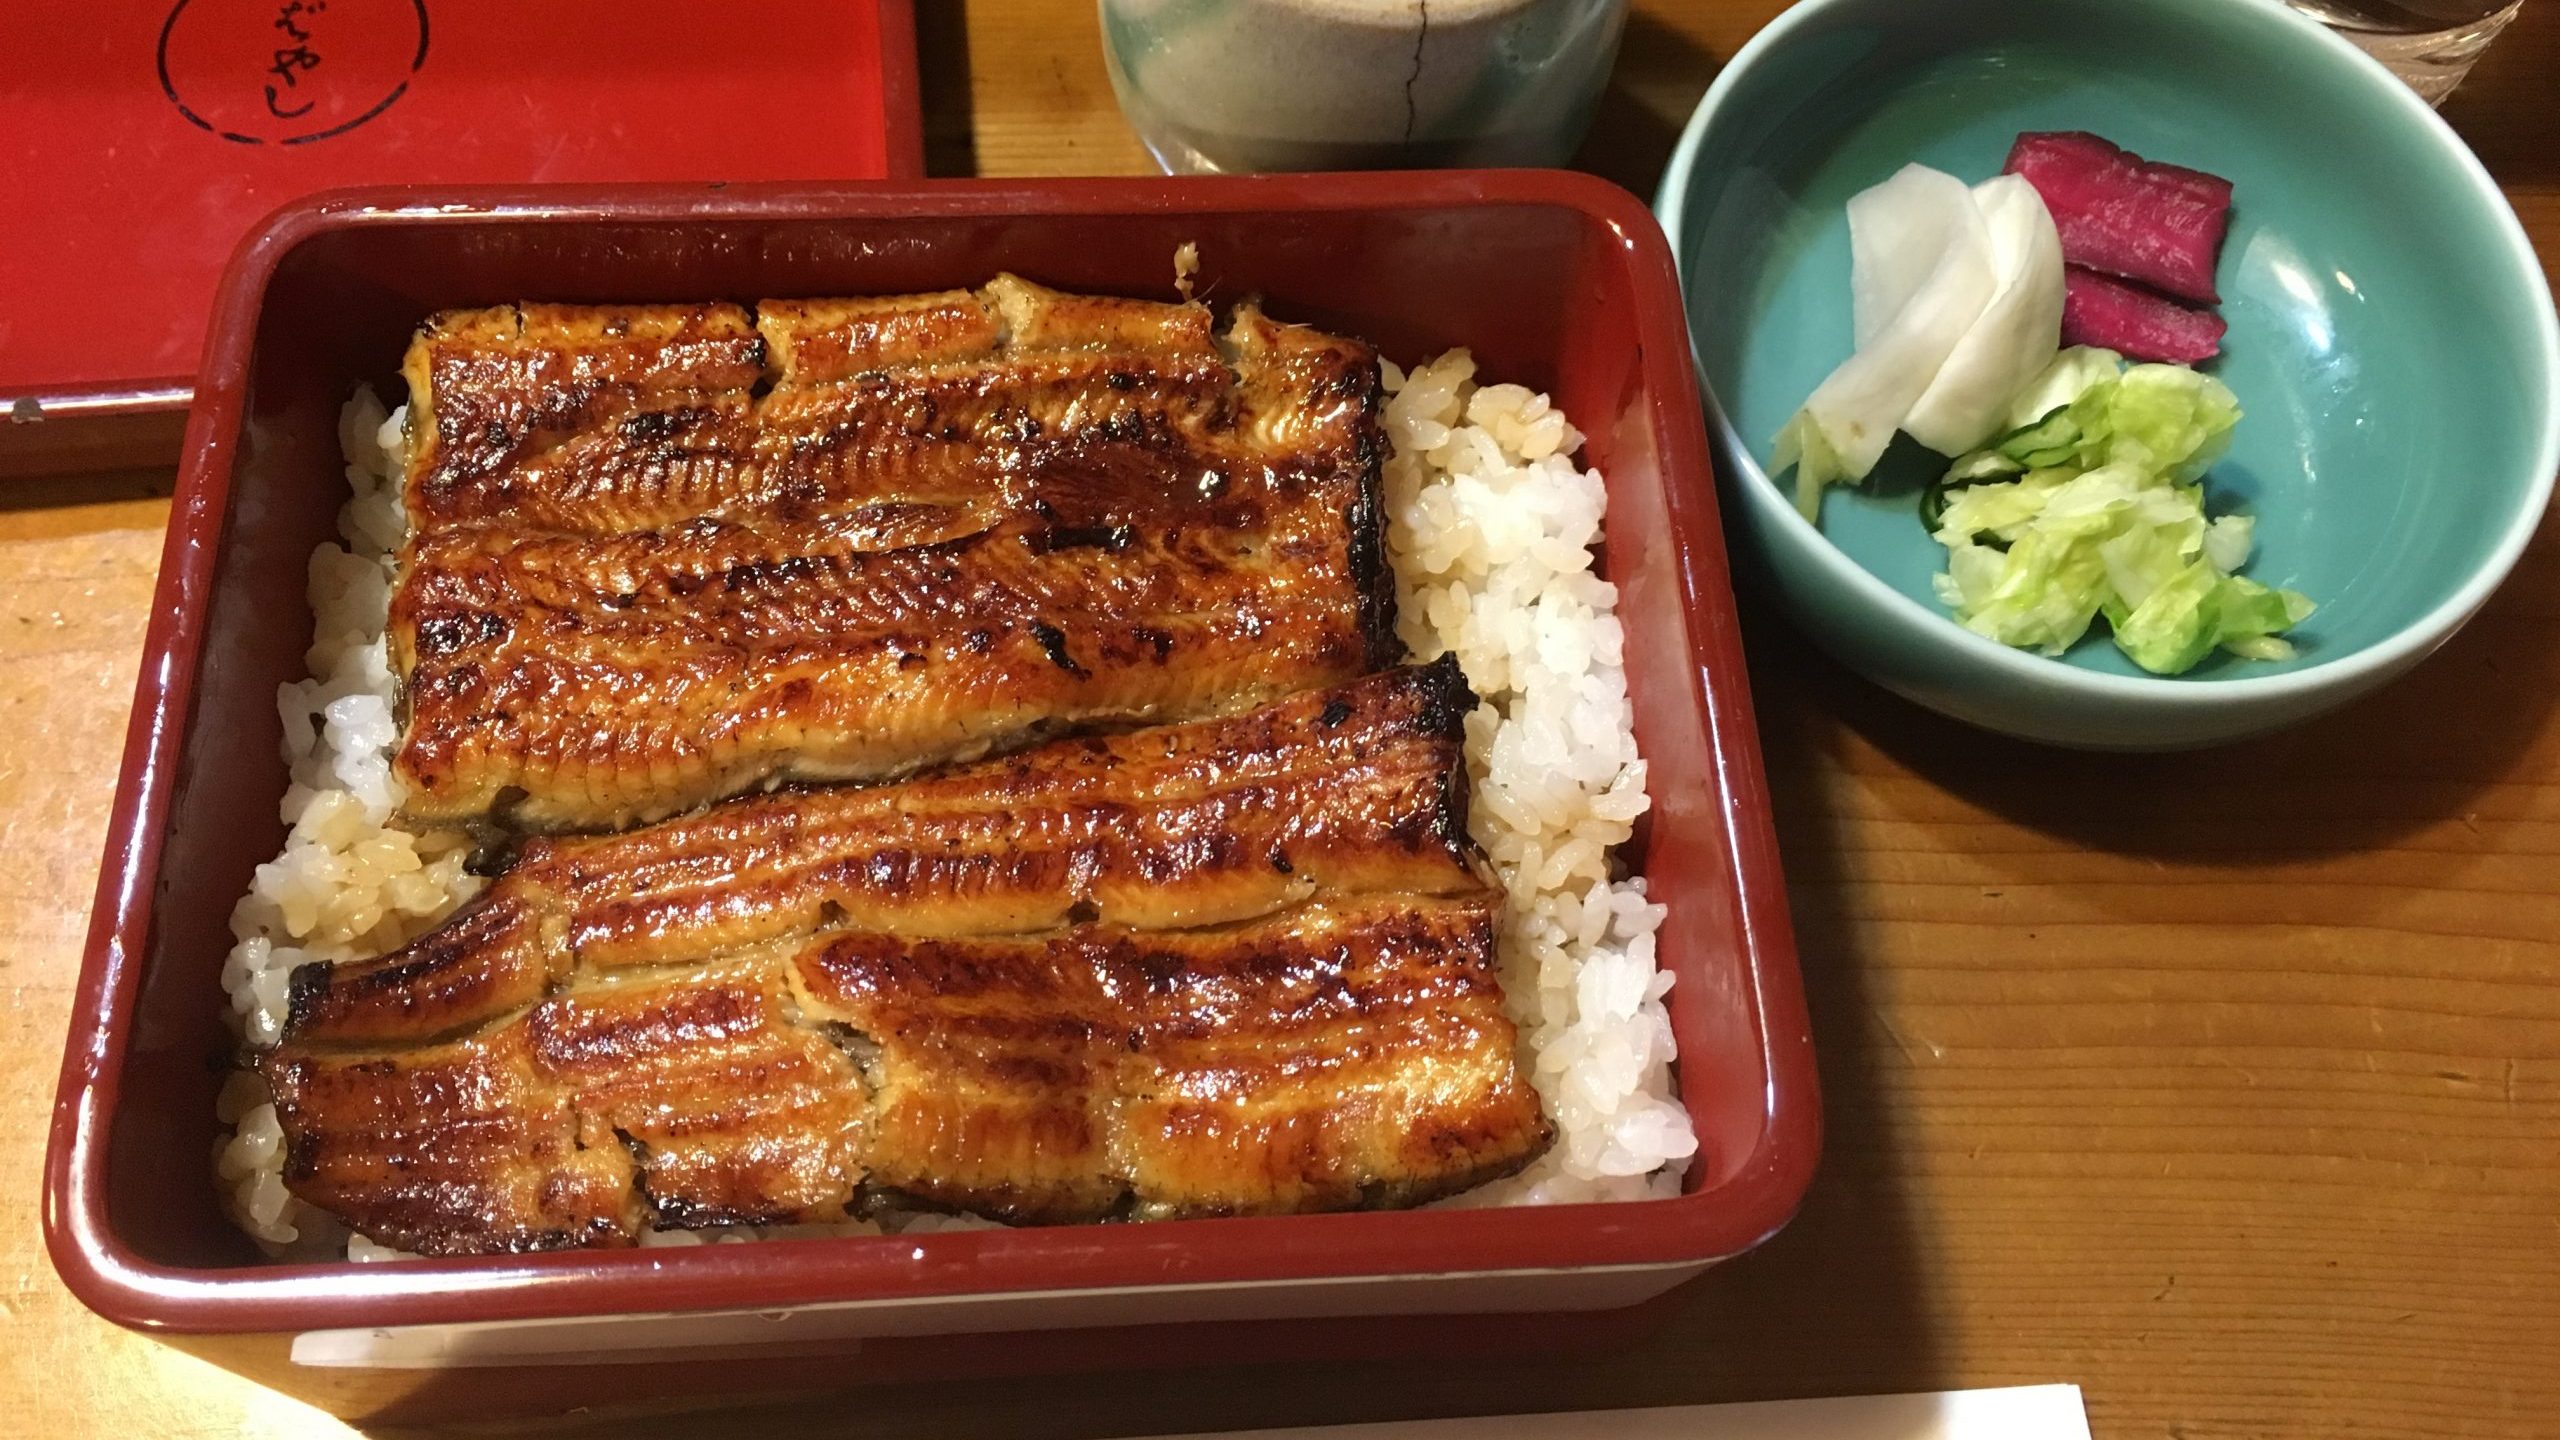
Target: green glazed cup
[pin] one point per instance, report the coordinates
(2392, 336)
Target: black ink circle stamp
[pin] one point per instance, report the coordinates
(288, 72)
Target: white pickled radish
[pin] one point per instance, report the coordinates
(1899, 232)
(1921, 268)
(2016, 336)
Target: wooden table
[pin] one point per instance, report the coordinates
(2226, 1086)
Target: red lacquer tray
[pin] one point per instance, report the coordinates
(1558, 281)
(145, 139)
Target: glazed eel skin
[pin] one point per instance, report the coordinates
(1234, 966)
(661, 555)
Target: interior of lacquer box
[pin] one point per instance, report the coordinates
(1539, 292)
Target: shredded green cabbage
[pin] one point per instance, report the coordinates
(2090, 506)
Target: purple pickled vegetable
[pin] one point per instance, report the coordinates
(2159, 224)
(2104, 311)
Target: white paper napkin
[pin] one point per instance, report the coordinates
(2025, 1412)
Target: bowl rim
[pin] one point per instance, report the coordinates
(2348, 673)
(1676, 1234)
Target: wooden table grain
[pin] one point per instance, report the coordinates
(2225, 1086)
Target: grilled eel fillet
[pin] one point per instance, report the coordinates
(1233, 966)
(955, 524)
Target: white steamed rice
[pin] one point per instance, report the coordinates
(349, 883)
(1491, 529)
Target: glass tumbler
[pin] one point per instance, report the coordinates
(1247, 85)
(2430, 44)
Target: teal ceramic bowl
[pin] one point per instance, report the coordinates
(2392, 337)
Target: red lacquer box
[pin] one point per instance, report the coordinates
(1557, 281)
(147, 137)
